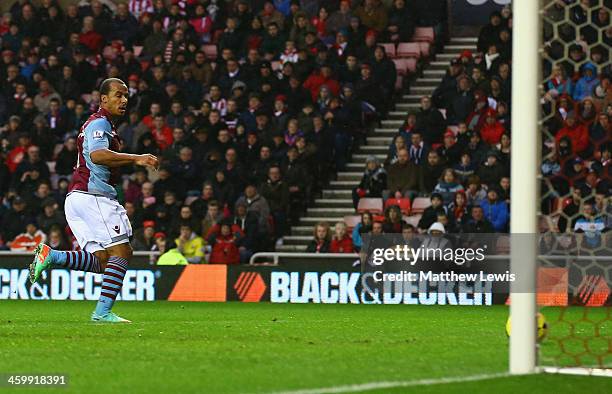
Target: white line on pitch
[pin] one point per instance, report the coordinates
(353, 388)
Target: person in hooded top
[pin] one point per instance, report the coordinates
(587, 82)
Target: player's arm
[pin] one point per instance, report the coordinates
(98, 138)
(109, 158)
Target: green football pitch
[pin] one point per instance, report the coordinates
(262, 348)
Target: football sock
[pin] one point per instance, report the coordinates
(112, 280)
(77, 260)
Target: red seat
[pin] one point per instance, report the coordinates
(401, 66)
(352, 220)
(424, 34)
(412, 220)
(402, 203)
(378, 218)
(425, 48)
(409, 49)
(420, 204)
(210, 51)
(411, 65)
(372, 205)
(399, 83)
(389, 49)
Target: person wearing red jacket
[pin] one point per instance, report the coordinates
(577, 133)
(341, 241)
(161, 132)
(314, 82)
(476, 118)
(492, 129)
(225, 244)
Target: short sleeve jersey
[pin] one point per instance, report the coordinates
(97, 133)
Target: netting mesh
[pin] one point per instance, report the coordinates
(575, 183)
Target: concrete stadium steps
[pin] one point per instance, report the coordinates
(337, 193)
(336, 199)
(312, 220)
(331, 211)
(333, 202)
(350, 176)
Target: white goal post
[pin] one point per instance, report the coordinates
(526, 79)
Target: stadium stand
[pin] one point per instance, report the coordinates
(265, 113)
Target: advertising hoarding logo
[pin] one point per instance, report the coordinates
(250, 287)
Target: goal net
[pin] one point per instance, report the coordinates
(575, 247)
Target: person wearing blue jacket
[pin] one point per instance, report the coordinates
(587, 82)
(495, 211)
(362, 228)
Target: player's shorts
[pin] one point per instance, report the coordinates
(97, 222)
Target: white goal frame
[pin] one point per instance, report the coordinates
(527, 55)
(526, 80)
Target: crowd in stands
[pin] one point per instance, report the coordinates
(251, 105)
(455, 150)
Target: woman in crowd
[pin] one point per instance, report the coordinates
(448, 186)
(364, 227)
(322, 238)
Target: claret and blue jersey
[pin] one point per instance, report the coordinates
(97, 133)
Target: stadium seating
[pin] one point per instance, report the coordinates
(352, 220)
(409, 49)
(424, 34)
(419, 205)
(412, 220)
(372, 205)
(389, 49)
(210, 51)
(402, 203)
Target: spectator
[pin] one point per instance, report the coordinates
(190, 244)
(372, 14)
(448, 186)
(492, 129)
(144, 239)
(430, 215)
(495, 211)
(247, 223)
(576, 133)
(341, 241)
(478, 223)
(226, 243)
(590, 225)
(27, 241)
(257, 204)
(586, 84)
(322, 239)
(363, 227)
(341, 18)
(491, 171)
(50, 216)
(432, 170)
(458, 209)
(57, 240)
(404, 178)
(212, 217)
(430, 122)
(393, 222)
(373, 182)
(276, 193)
(67, 158)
